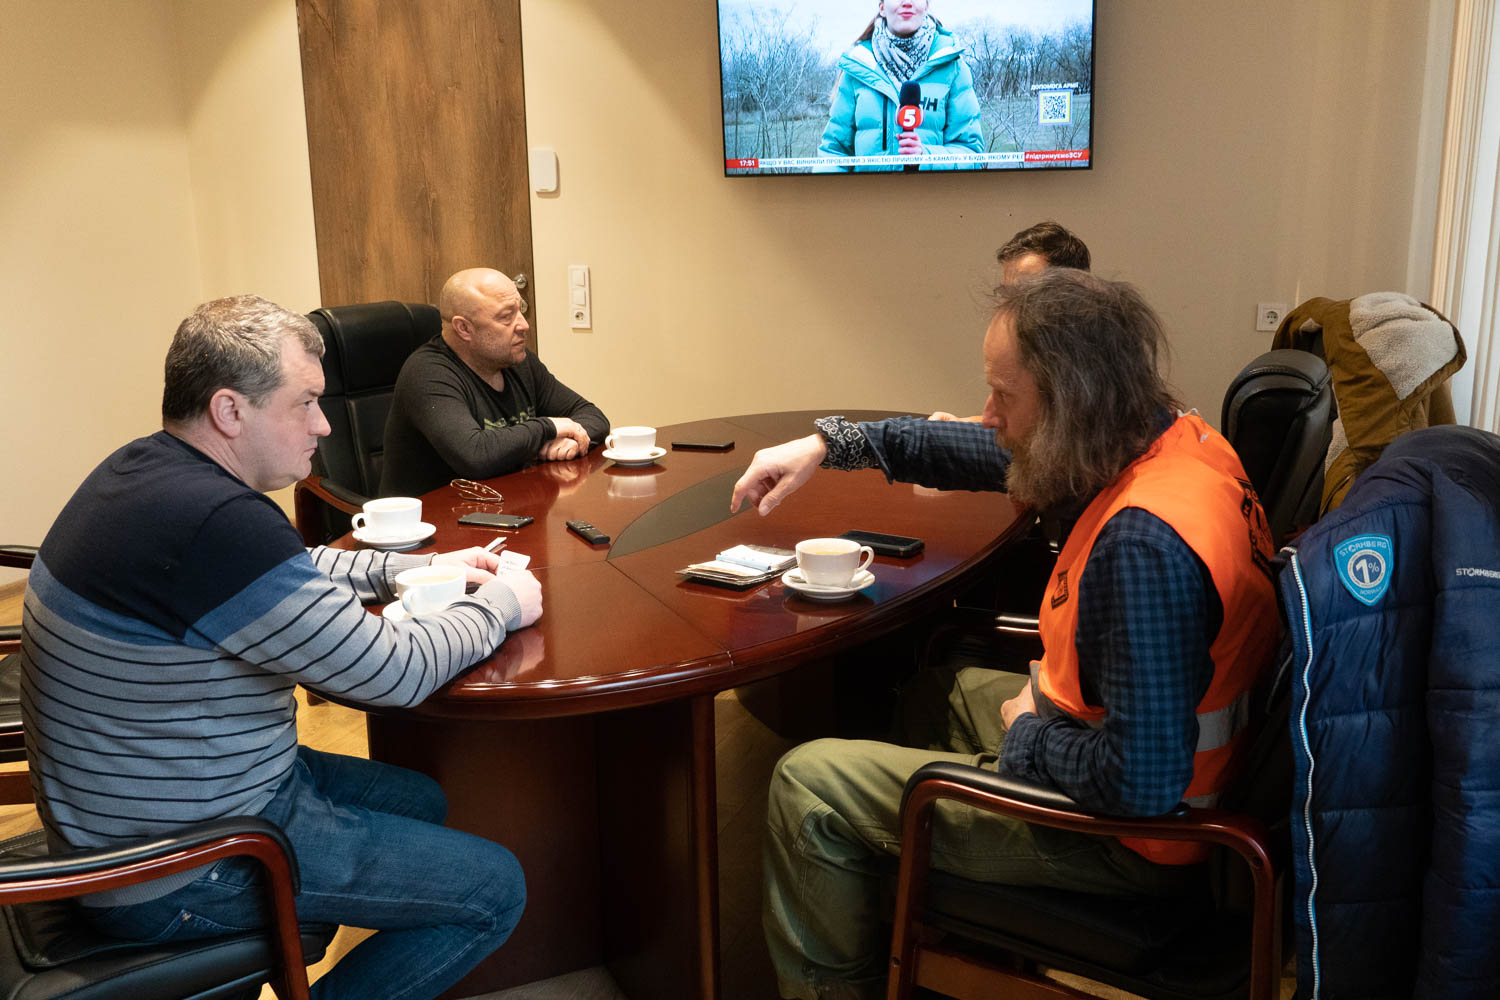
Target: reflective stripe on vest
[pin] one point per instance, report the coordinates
(1216, 729)
(1191, 479)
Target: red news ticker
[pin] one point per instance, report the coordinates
(1042, 155)
(741, 164)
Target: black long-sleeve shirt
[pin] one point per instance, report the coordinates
(447, 422)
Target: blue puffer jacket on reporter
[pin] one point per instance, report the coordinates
(1394, 608)
(862, 120)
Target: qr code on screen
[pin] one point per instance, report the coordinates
(1054, 107)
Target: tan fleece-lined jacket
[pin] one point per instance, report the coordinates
(1390, 357)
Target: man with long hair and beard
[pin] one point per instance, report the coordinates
(1157, 620)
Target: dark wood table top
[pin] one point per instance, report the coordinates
(620, 628)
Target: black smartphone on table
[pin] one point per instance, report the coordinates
(900, 546)
(495, 520)
(718, 444)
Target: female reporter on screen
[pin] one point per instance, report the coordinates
(902, 43)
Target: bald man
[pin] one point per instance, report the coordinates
(471, 403)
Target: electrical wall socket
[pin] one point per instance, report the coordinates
(1268, 316)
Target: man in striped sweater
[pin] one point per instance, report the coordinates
(170, 614)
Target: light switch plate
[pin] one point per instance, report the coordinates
(580, 298)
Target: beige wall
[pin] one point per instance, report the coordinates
(1245, 152)
(155, 155)
(247, 145)
(99, 256)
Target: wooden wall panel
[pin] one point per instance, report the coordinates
(416, 131)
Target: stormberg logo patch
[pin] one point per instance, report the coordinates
(1364, 563)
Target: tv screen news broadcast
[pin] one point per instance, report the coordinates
(871, 86)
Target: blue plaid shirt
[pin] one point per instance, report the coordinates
(1147, 613)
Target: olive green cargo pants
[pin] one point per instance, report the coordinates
(833, 812)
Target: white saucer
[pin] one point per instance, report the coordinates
(632, 459)
(396, 612)
(793, 579)
(396, 543)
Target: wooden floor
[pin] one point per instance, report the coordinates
(747, 749)
(10, 603)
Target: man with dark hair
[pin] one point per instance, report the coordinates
(1158, 619)
(1032, 251)
(1043, 245)
(472, 403)
(170, 614)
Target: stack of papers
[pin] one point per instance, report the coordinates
(743, 565)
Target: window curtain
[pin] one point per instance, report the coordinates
(1466, 259)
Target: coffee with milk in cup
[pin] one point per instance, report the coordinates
(426, 589)
(832, 562)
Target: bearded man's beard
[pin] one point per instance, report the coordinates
(1036, 477)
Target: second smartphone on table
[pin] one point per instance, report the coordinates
(900, 546)
(495, 520)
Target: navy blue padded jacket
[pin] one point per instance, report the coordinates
(1394, 606)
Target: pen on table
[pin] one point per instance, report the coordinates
(497, 543)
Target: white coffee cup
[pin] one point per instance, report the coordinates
(389, 517)
(425, 589)
(631, 441)
(832, 562)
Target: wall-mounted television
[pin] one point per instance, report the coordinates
(914, 86)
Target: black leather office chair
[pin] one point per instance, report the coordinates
(1278, 415)
(364, 348)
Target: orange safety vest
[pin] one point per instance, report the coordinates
(1191, 478)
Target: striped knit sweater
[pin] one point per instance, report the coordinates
(170, 613)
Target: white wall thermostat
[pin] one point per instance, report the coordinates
(543, 170)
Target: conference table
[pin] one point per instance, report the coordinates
(585, 743)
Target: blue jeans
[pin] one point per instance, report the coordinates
(372, 853)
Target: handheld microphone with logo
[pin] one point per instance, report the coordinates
(909, 114)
